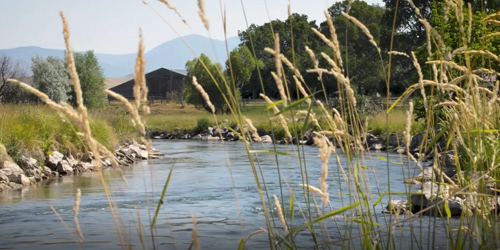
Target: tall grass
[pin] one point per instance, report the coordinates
(469, 128)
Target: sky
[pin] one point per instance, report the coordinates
(112, 26)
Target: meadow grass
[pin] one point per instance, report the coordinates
(468, 128)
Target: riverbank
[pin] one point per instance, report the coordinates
(30, 171)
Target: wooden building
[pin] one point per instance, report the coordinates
(162, 84)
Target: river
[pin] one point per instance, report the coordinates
(201, 185)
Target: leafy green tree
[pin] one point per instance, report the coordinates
(92, 80)
(51, 77)
(295, 33)
(241, 64)
(453, 38)
(191, 94)
(362, 62)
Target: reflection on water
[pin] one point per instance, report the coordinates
(201, 185)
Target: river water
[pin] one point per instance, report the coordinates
(201, 185)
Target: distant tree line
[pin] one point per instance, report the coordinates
(361, 61)
(51, 77)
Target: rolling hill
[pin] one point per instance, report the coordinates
(172, 54)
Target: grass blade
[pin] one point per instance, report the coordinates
(162, 196)
(269, 152)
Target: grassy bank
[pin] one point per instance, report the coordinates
(33, 131)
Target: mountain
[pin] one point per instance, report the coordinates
(172, 55)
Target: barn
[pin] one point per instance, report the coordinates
(162, 84)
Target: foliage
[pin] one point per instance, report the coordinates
(51, 77)
(216, 90)
(92, 80)
(361, 60)
(240, 66)
(10, 69)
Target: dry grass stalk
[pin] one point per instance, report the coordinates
(324, 150)
(253, 130)
(469, 29)
(332, 63)
(280, 213)
(76, 208)
(492, 101)
(196, 243)
(363, 28)
(175, 10)
(496, 34)
(421, 80)
(71, 64)
(324, 38)
(312, 117)
(3, 153)
(450, 64)
(315, 62)
(140, 87)
(203, 94)
(449, 103)
(134, 111)
(481, 53)
(278, 76)
(281, 118)
(313, 189)
(201, 12)
(335, 41)
(398, 53)
(409, 118)
(301, 89)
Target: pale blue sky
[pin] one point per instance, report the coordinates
(111, 26)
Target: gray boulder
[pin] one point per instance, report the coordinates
(397, 207)
(266, 139)
(53, 160)
(64, 167)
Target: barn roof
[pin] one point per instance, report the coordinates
(113, 82)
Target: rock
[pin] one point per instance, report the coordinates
(33, 172)
(54, 174)
(370, 139)
(46, 172)
(3, 178)
(397, 206)
(210, 138)
(12, 171)
(186, 136)
(28, 163)
(72, 161)
(430, 192)
(447, 163)
(427, 175)
(197, 137)
(53, 160)
(106, 162)
(455, 205)
(21, 179)
(416, 141)
(377, 146)
(64, 167)
(266, 139)
(88, 157)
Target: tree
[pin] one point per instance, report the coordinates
(51, 77)
(191, 94)
(362, 62)
(92, 80)
(241, 63)
(296, 26)
(9, 70)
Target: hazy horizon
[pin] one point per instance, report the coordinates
(112, 26)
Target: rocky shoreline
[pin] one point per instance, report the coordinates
(438, 185)
(30, 171)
